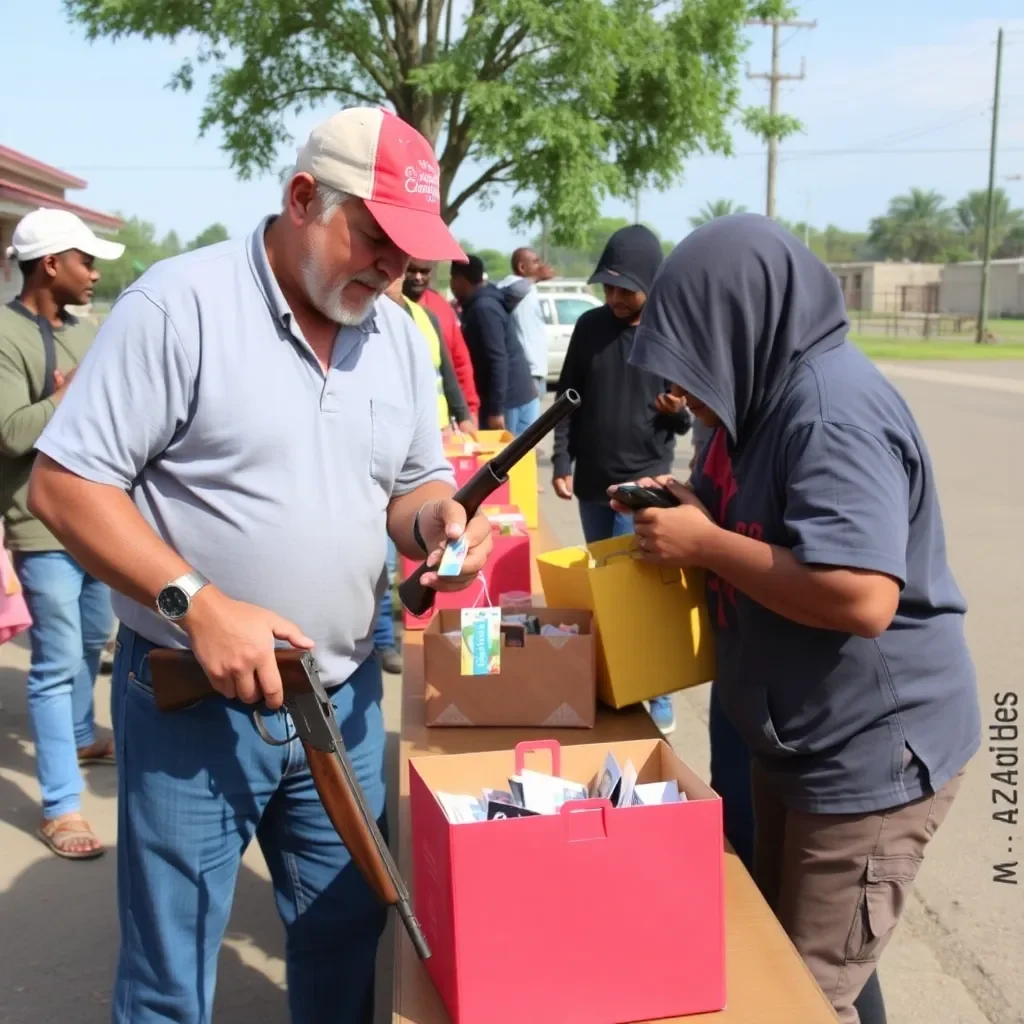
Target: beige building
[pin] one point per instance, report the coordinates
(26, 185)
(890, 287)
(960, 294)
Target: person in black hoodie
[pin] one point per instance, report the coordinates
(628, 422)
(508, 398)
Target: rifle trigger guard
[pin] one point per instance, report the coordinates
(265, 736)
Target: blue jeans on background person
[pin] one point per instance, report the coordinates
(194, 787)
(601, 522)
(384, 631)
(730, 779)
(71, 621)
(520, 417)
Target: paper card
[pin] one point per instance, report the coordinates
(515, 786)
(606, 784)
(628, 785)
(497, 810)
(545, 794)
(452, 557)
(647, 794)
(481, 641)
(460, 808)
(498, 796)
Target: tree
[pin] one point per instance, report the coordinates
(917, 227)
(209, 236)
(714, 209)
(971, 213)
(568, 101)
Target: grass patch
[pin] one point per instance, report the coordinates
(965, 351)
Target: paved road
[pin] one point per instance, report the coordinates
(956, 959)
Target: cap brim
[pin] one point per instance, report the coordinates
(101, 249)
(420, 235)
(615, 280)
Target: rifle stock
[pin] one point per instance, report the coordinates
(179, 682)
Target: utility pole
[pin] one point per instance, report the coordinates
(990, 206)
(774, 77)
(636, 207)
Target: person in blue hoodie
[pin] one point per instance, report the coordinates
(841, 657)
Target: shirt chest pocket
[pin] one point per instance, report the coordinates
(391, 431)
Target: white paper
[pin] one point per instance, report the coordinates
(647, 794)
(545, 794)
(607, 778)
(628, 785)
(461, 809)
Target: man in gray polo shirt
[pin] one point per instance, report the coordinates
(248, 428)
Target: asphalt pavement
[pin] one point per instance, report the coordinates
(957, 955)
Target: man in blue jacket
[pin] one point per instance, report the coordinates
(508, 397)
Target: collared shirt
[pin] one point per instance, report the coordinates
(201, 398)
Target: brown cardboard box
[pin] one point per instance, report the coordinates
(549, 682)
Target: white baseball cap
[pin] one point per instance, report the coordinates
(370, 153)
(46, 232)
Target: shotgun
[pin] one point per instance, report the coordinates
(484, 482)
(179, 681)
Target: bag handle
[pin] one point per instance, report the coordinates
(585, 820)
(536, 746)
(668, 576)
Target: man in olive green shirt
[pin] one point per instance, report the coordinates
(41, 345)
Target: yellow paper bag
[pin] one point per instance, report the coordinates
(653, 632)
(522, 480)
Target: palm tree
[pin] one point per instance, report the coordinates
(715, 209)
(971, 212)
(918, 226)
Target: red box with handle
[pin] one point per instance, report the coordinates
(573, 916)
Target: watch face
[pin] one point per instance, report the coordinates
(172, 602)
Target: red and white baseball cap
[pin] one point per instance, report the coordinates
(374, 155)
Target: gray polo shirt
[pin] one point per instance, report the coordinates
(201, 398)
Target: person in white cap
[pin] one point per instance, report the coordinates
(41, 345)
(251, 425)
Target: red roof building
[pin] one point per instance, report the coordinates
(27, 184)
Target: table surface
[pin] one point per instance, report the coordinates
(766, 980)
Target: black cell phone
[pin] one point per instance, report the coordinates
(635, 497)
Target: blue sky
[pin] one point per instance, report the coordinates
(882, 75)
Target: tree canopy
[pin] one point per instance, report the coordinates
(567, 101)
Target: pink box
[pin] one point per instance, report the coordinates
(595, 915)
(506, 571)
(465, 466)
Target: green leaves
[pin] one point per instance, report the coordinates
(568, 101)
(758, 121)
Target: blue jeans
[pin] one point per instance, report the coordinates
(519, 418)
(71, 621)
(730, 779)
(601, 522)
(194, 787)
(384, 631)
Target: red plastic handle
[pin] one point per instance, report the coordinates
(579, 817)
(532, 746)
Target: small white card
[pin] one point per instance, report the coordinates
(647, 794)
(628, 785)
(545, 794)
(608, 778)
(461, 809)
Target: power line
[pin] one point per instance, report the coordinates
(774, 77)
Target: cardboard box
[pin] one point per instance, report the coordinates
(549, 682)
(569, 917)
(508, 570)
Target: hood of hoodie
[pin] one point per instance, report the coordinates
(735, 309)
(630, 260)
(514, 289)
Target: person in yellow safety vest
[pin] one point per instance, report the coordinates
(451, 403)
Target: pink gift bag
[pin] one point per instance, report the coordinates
(14, 616)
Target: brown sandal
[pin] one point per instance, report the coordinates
(60, 833)
(98, 753)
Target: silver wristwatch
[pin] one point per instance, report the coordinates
(175, 598)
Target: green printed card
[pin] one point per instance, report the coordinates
(481, 641)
